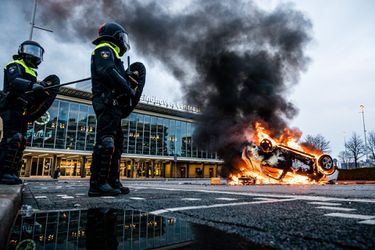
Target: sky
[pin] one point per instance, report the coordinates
(339, 78)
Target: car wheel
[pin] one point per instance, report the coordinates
(326, 165)
(266, 145)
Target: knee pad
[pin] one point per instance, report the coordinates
(106, 144)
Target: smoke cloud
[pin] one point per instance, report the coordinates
(234, 61)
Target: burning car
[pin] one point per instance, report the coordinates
(276, 161)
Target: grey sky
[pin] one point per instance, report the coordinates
(340, 77)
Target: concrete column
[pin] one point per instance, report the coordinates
(162, 169)
(202, 170)
(82, 164)
(152, 168)
(29, 160)
(133, 168)
(172, 169)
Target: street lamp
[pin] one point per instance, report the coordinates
(362, 107)
(33, 22)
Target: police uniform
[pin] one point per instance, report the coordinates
(115, 95)
(14, 119)
(22, 93)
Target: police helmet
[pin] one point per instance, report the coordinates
(31, 52)
(114, 32)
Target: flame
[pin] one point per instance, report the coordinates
(252, 171)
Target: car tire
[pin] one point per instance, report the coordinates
(266, 145)
(325, 164)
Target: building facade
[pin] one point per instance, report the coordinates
(157, 141)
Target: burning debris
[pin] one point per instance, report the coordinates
(281, 160)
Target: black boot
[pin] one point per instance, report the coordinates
(100, 187)
(114, 171)
(101, 160)
(116, 184)
(8, 166)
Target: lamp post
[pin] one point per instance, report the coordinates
(362, 107)
(33, 22)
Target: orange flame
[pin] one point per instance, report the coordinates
(251, 171)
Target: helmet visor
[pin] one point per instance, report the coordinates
(124, 39)
(33, 50)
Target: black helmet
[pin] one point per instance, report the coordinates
(31, 52)
(114, 32)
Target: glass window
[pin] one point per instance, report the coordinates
(183, 139)
(146, 135)
(29, 133)
(51, 126)
(161, 137)
(125, 131)
(62, 124)
(178, 139)
(153, 136)
(172, 137)
(139, 133)
(132, 133)
(39, 133)
(71, 135)
(82, 126)
(91, 129)
(188, 140)
(167, 142)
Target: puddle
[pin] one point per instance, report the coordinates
(106, 228)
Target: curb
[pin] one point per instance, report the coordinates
(10, 203)
(348, 182)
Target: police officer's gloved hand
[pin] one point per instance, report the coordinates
(38, 90)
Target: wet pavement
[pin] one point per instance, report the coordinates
(262, 216)
(108, 228)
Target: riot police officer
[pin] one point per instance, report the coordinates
(114, 97)
(22, 102)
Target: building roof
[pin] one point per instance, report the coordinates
(151, 106)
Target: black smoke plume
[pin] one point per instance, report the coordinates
(234, 61)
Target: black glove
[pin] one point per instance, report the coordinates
(38, 89)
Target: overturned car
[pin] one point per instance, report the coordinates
(277, 161)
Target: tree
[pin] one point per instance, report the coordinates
(344, 157)
(371, 145)
(355, 148)
(318, 142)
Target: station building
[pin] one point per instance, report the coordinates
(157, 140)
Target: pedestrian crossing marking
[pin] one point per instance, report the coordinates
(41, 197)
(337, 208)
(191, 199)
(226, 199)
(351, 216)
(67, 197)
(367, 222)
(324, 203)
(136, 198)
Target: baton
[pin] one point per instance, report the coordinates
(135, 82)
(59, 85)
(68, 83)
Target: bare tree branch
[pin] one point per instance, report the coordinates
(371, 145)
(318, 142)
(355, 148)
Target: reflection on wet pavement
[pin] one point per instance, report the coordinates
(108, 228)
(100, 228)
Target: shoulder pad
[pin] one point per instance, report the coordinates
(13, 68)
